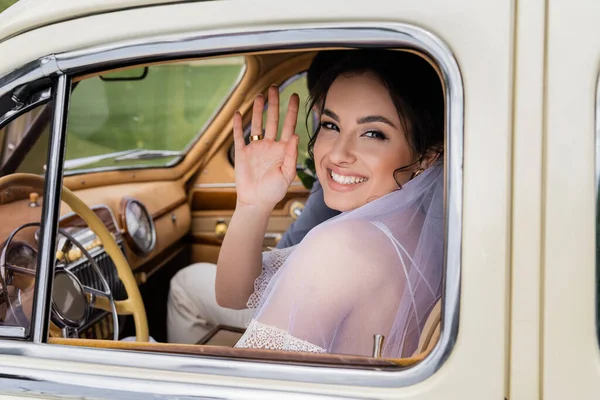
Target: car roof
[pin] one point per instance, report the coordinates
(26, 15)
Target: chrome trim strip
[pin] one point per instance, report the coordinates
(597, 141)
(50, 212)
(93, 208)
(13, 331)
(34, 381)
(28, 73)
(32, 71)
(372, 34)
(597, 263)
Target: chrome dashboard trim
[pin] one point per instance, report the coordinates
(281, 37)
(129, 237)
(97, 207)
(96, 250)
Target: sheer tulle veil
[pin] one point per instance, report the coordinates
(373, 270)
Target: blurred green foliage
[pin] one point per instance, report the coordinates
(4, 4)
(164, 111)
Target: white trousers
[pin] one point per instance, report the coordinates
(192, 306)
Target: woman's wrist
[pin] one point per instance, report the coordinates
(253, 210)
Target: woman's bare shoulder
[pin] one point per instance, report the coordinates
(347, 242)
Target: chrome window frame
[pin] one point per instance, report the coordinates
(597, 207)
(238, 41)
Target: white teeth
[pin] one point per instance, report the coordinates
(346, 180)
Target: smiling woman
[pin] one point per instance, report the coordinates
(376, 153)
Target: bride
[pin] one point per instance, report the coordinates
(377, 267)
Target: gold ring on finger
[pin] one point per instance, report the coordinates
(255, 137)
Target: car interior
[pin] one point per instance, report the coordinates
(148, 189)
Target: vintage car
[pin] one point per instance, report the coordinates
(117, 171)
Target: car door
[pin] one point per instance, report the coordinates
(473, 45)
(569, 345)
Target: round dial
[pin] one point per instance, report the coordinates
(140, 227)
(22, 255)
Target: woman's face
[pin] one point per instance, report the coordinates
(360, 144)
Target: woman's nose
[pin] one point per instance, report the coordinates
(342, 151)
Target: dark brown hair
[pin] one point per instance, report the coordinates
(412, 82)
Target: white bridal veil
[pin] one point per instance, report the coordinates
(373, 270)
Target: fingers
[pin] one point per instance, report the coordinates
(272, 114)
(257, 111)
(291, 158)
(289, 124)
(238, 134)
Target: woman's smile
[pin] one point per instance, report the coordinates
(342, 181)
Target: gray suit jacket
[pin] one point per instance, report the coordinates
(315, 211)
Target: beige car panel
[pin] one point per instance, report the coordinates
(483, 45)
(569, 348)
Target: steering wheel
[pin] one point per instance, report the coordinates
(134, 304)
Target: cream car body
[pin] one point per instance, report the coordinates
(524, 179)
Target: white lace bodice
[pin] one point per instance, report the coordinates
(261, 336)
(271, 262)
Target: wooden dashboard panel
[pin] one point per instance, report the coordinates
(158, 197)
(166, 201)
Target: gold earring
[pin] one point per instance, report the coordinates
(417, 172)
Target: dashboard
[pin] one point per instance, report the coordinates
(147, 227)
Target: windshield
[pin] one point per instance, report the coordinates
(138, 117)
(146, 116)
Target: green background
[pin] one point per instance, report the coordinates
(4, 4)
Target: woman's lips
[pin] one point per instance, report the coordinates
(344, 182)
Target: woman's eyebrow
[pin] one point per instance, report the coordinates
(375, 118)
(331, 114)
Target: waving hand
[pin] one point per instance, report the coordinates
(265, 168)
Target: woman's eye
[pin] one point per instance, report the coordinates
(329, 125)
(375, 135)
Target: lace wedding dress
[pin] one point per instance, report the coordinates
(373, 270)
(261, 336)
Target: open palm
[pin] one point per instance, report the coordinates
(264, 169)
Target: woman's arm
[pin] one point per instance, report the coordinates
(240, 258)
(264, 170)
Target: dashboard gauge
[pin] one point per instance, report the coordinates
(22, 255)
(139, 226)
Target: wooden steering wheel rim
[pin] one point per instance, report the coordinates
(134, 304)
